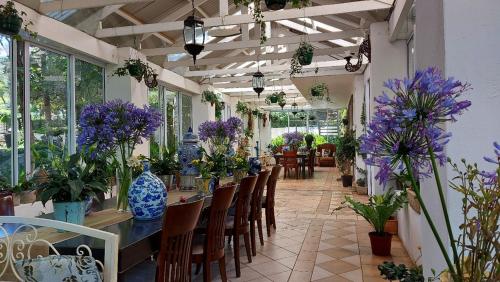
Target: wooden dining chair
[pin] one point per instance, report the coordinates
(290, 162)
(311, 162)
(268, 199)
(174, 261)
(209, 247)
(238, 224)
(256, 209)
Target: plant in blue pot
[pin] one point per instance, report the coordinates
(147, 196)
(69, 186)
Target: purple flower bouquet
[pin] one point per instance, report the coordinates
(112, 130)
(293, 139)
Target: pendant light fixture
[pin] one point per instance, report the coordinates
(194, 34)
(295, 107)
(258, 81)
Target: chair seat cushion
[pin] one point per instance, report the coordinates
(56, 268)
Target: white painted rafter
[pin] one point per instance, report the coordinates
(60, 5)
(256, 43)
(135, 20)
(333, 9)
(91, 23)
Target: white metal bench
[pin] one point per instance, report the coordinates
(18, 245)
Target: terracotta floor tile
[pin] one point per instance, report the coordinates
(337, 266)
(370, 270)
(288, 262)
(338, 241)
(320, 273)
(307, 255)
(355, 275)
(300, 276)
(304, 265)
(269, 268)
(280, 277)
(333, 278)
(338, 253)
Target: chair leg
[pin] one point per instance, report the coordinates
(268, 222)
(236, 245)
(273, 217)
(252, 237)
(207, 275)
(222, 269)
(259, 226)
(246, 237)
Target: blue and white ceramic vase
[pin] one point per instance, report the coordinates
(189, 150)
(147, 196)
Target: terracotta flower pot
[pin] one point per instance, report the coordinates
(381, 243)
(6, 203)
(391, 226)
(27, 197)
(346, 180)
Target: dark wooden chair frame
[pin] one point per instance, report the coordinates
(256, 209)
(268, 202)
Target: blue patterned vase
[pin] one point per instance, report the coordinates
(147, 196)
(255, 166)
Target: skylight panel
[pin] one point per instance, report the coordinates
(308, 30)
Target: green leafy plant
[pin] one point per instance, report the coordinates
(302, 57)
(70, 183)
(319, 90)
(378, 209)
(242, 108)
(11, 21)
(139, 70)
(210, 97)
(346, 152)
(4, 184)
(167, 164)
(392, 272)
(361, 181)
(309, 138)
(276, 97)
(300, 3)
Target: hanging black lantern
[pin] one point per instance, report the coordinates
(194, 35)
(295, 108)
(258, 83)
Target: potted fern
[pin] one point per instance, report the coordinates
(345, 153)
(377, 212)
(242, 108)
(166, 166)
(11, 21)
(133, 67)
(275, 98)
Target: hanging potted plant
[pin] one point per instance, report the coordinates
(377, 212)
(11, 21)
(133, 67)
(276, 4)
(69, 187)
(256, 113)
(242, 108)
(282, 103)
(150, 77)
(210, 97)
(304, 53)
(274, 98)
(319, 90)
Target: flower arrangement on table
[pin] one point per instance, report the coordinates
(113, 130)
(220, 136)
(406, 134)
(293, 139)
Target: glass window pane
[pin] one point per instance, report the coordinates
(155, 140)
(171, 120)
(48, 106)
(187, 109)
(5, 108)
(89, 85)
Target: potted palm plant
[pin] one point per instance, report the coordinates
(377, 211)
(166, 166)
(345, 154)
(69, 188)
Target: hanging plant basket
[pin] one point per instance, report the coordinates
(305, 53)
(211, 97)
(135, 68)
(276, 4)
(151, 80)
(273, 99)
(319, 90)
(282, 104)
(10, 25)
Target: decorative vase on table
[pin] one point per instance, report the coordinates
(202, 185)
(147, 196)
(238, 175)
(189, 151)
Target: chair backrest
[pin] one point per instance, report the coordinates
(174, 258)
(243, 202)
(290, 158)
(311, 157)
(271, 184)
(19, 234)
(326, 146)
(258, 191)
(221, 201)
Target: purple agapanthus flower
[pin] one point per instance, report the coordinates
(293, 138)
(406, 125)
(104, 127)
(491, 177)
(218, 133)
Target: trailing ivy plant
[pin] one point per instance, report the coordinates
(302, 57)
(11, 21)
(276, 97)
(242, 108)
(210, 97)
(259, 17)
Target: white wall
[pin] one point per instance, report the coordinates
(388, 61)
(358, 97)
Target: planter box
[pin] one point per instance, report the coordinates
(362, 190)
(391, 226)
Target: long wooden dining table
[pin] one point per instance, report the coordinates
(139, 240)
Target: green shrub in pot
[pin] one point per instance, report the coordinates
(345, 154)
(70, 186)
(166, 166)
(377, 212)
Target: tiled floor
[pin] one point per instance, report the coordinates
(311, 243)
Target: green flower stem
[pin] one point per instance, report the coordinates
(443, 206)
(429, 219)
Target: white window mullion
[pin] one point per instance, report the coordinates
(71, 105)
(14, 124)
(27, 110)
